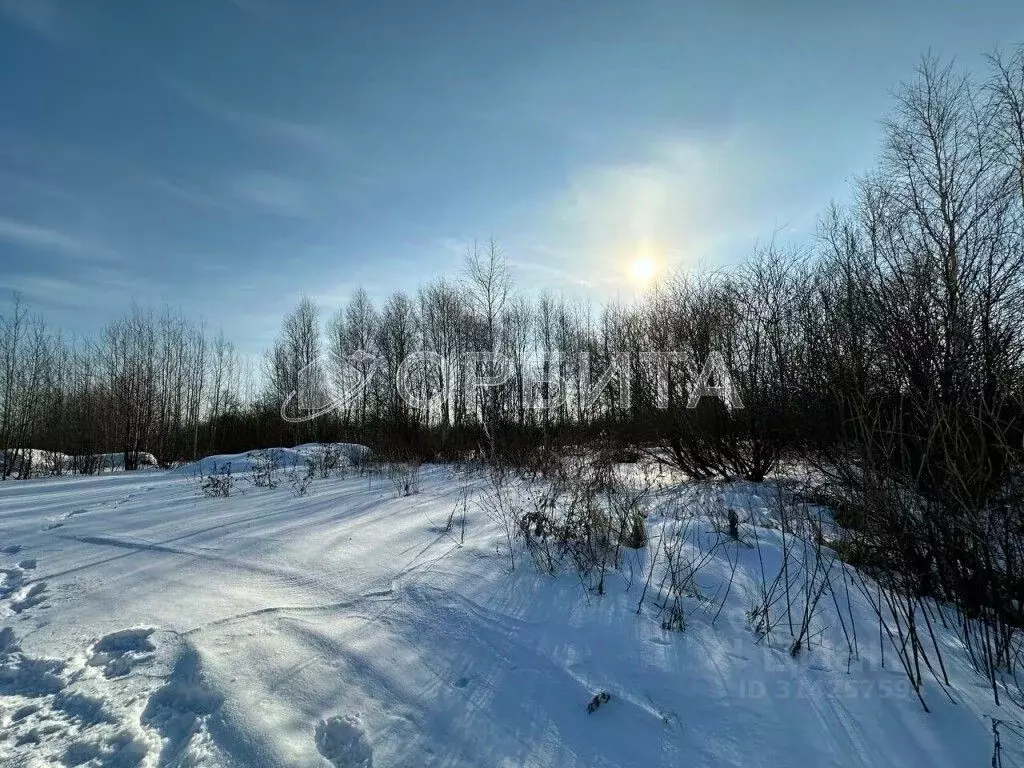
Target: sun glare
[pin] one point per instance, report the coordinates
(642, 270)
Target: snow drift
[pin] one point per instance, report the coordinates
(33, 462)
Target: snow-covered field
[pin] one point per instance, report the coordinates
(144, 623)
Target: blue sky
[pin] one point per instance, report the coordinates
(228, 156)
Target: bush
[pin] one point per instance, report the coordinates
(265, 465)
(219, 482)
(300, 477)
(405, 477)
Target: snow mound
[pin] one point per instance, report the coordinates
(349, 454)
(114, 462)
(343, 742)
(34, 462)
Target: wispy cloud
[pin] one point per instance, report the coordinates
(21, 186)
(50, 289)
(40, 237)
(243, 192)
(255, 7)
(41, 16)
(272, 193)
(313, 138)
(188, 193)
(454, 246)
(546, 270)
(37, 237)
(98, 287)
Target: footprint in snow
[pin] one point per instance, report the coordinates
(62, 723)
(119, 652)
(15, 589)
(29, 597)
(10, 580)
(343, 742)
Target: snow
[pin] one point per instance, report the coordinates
(301, 455)
(343, 742)
(46, 463)
(145, 624)
(40, 462)
(114, 462)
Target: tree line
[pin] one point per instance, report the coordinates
(149, 382)
(909, 300)
(884, 360)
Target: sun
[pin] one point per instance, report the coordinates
(642, 270)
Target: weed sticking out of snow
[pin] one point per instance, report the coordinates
(598, 701)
